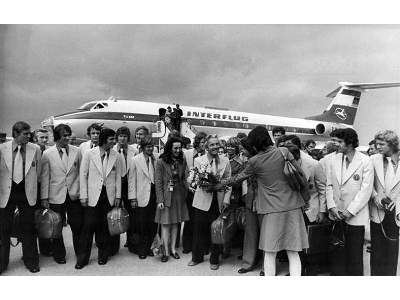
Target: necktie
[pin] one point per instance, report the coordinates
(121, 150)
(105, 161)
(18, 171)
(151, 169)
(214, 166)
(64, 157)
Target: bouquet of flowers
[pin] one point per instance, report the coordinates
(203, 178)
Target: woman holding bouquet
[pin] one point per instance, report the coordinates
(171, 190)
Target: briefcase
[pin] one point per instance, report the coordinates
(223, 228)
(318, 238)
(118, 220)
(48, 224)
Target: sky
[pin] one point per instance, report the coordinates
(270, 69)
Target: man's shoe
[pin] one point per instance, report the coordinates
(240, 257)
(214, 267)
(60, 261)
(193, 263)
(151, 254)
(79, 266)
(262, 273)
(102, 261)
(34, 269)
(164, 258)
(186, 251)
(244, 270)
(142, 256)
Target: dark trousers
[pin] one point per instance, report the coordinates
(145, 226)
(384, 252)
(44, 244)
(348, 260)
(187, 236)
(95, 222)
(131, 235)
(74, 211)
(202, 233)
(27, 227)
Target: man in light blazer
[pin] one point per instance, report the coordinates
(384, 205)
(208, 205)
(127, 153)
(350, 179)
(60, 187)
(199, 148)
(93, 132)
(20, 166)
(142, 195)
(100, 190)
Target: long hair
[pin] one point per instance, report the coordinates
(259, 138)
(167, 155)
(124, 131)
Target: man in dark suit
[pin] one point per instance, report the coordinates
(20, 164)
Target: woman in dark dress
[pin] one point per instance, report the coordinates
(171, 190)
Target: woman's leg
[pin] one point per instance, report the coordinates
(174, 234)
(294, 263)
(269, 263)
(165, 231)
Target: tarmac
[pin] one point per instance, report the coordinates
(127, 264)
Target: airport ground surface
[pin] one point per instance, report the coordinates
(128, 264)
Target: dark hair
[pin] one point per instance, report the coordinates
(186, 141)
(309, 142)
(259, 138)
(373, 142)
(167, 155)
(105, 133)
(278, 129)
(293, 138)
(18, 127)
(349, 136)
(335, 132)
(198, 137)
(241, 135)
(247, 146)
(124, 131)
(60, 130)
(142, 128)
(146, 141)
(94, 126)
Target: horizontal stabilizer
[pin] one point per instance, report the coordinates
(369, 86)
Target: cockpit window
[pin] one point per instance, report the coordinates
(98, 106)
(87, 106)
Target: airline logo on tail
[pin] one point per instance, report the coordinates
(346, 98)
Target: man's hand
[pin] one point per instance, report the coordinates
(117, 202)
(335, 214)
(84, 202)
(321, 218)
(160, 205)
(45, 203)
(346, 214)
(134, 203)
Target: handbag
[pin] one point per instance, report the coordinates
(318, 238)
(118, 220)
(224, 227)
(15, 228)
(157, 247)
(295, 177)
(48, 224)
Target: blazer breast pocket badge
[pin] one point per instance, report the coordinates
(33, 164)
(113, 168)
(356, 177)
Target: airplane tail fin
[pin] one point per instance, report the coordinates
(346, 98)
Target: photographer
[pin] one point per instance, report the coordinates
(383, 205)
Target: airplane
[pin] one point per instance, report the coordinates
(114, 113)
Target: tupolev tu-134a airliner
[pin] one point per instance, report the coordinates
(114, 113)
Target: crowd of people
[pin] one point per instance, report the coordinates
(345, 190)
